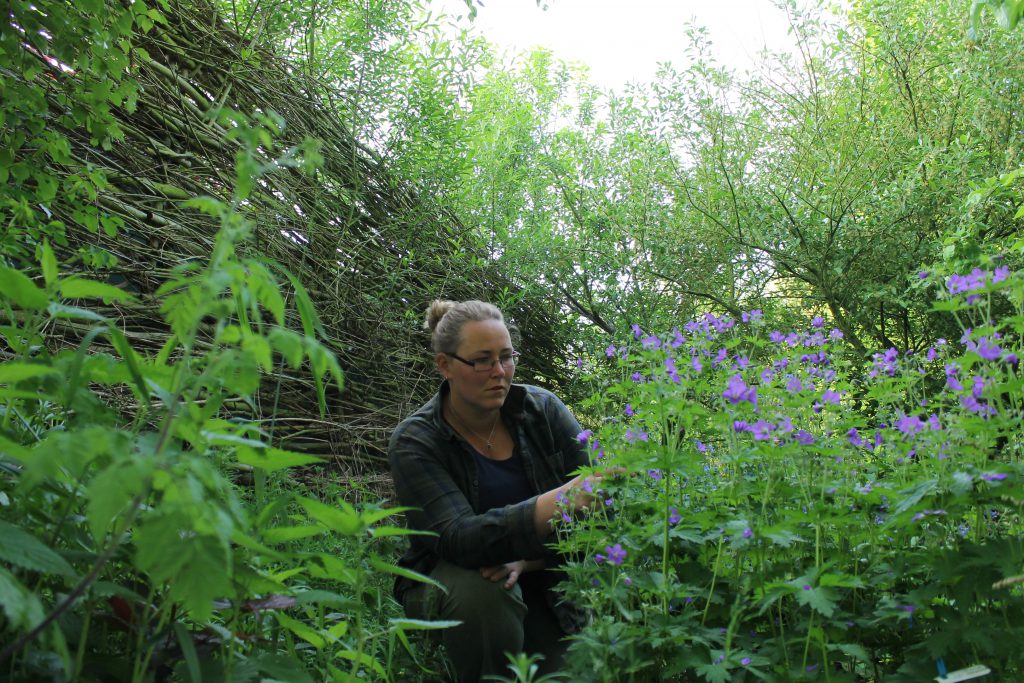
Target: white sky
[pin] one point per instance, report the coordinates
(622, 41)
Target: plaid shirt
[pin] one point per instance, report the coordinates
(435, 474)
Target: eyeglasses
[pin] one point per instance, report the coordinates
(487, 364)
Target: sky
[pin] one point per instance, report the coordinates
(623, 41)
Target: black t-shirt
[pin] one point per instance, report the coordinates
(502, 482)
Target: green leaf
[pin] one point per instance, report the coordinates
(20, 289)
(22, 607)
(61, 311)
(914, 494)
(112, 490)
(48, 263)
(188, 651)
(80, 288)
(14, 372)
(365, 659)
(389, 568)
(421, 625)
(821, 600)
(283, 534)
(344, 519)
(273, 459)
(25, 550)
(301, 629)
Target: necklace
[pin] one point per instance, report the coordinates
(488, 441)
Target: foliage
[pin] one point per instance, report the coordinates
(791, 514)
(129, 551)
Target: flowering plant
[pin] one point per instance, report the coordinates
(792, 512)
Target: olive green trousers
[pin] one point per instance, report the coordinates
(495, 620)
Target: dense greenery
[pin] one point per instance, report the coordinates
(834, 501)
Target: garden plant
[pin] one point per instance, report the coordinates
(791, 513)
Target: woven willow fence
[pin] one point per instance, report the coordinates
(370, 252)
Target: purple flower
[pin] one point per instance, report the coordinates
(922, 274)
(679, 339)
(807, 586)
(755, 314)
(927, 513)
(785, 424)
(934, 424)
(817, 322)
(673, 517)
(628, 410)
(776, 336)
(738, 391)
(748, 532)
(627, 582)
(745, 661)
(638, 435)
(670, 369)
(610, 351)
(804, 437)
(701, 447)
(993, 476)
(616, 554)
(651, 342)
(952, 382)
(1011, 359)
(1000, 274)
(959, 284)
(695, 364)
(762, 430)
(584, 436)
(932, 354)
(654, 474)
(637, 377)
(794, 385)
(830, 397)
(637, 332)
(579, 363)
(836, 334)
(987, 349)
(740, 426)
(743, 362)
(854, 437)
(909, 424)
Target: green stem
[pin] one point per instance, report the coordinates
(714, 578)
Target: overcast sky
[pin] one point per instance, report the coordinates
(623, 40)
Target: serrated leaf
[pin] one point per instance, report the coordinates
(24, 550)
(283, 534)
(344, 519)
(111, 491)
(22, 608)
(821, 600)
(273, 459)
(19, 288)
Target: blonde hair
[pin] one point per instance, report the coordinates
(445, 319)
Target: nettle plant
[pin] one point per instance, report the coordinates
(129, 552)
(789, 512)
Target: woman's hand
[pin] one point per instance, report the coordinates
(510, 571)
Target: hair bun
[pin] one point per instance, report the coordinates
(436, 311)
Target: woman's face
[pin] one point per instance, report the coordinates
(483, 391)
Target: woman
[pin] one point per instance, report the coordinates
(484, 464)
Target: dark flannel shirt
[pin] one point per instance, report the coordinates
(435, 475)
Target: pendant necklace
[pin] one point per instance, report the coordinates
(488, 440)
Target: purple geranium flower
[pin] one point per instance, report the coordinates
(817, 322)
(615, 554)
(638, 435)
(738, 391)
